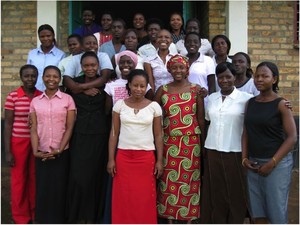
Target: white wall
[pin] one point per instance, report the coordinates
(47, 14)
(237, 25)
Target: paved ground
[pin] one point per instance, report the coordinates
(5, 197)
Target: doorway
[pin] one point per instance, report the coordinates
(150, 9)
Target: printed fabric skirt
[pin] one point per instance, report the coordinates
(134, 188)
(179, 187)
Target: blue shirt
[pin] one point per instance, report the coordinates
(40, 59)
(109, 48)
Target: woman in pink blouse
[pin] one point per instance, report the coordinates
(52, 116)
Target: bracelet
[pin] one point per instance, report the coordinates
(274, 161)
(244, 161)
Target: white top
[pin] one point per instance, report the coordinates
(73, 69)
(199, 70)
(226, 121)
(205, 47)
(136, 130)
(148, 50)
(249, 87)
(159, 70)
(215, 62)
(117, 89)
(140, 65)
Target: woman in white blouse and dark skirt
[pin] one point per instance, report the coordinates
(225, 176)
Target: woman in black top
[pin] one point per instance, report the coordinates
(269, 135)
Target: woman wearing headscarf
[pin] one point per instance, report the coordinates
(183, 125)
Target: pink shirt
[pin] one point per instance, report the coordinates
(51, 118)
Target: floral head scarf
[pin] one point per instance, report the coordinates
(178, 59)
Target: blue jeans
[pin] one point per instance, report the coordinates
(268, 196)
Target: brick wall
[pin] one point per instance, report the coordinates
(63, 24)
(270, 37)
(18, 35)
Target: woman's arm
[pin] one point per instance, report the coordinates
(201, 116)
(113, 141)
(108, 104)
(211, 83)
(149, 71)
(290, 130)
(8, 125)
(71, 117)
(158, 94)
(158, 141)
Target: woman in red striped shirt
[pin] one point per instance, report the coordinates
(18, 151)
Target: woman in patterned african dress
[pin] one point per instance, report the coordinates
(179, 187)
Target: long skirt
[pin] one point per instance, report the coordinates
(88, 177)
(51, 189)
(228, 188)
(134, 188)
(179, 187)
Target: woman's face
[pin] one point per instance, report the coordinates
(46, 38)
(178, 71)
(138, 86)
(131, 41)
(164, 39)
(220, 47)
(29, 78)
(139, 21)
(88, 17)
(226, 81)
(176, 22)
(74, 46)
(264, 79)
(192, 44)
(117, 29)
(240, 63)
(126, 65)
(106, 21)
(192, 27)
(51, 79)
(90, 44)
(90, 66)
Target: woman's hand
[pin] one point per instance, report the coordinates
(10, 159)
(111, 167)
(266, 168)
(159, 169)
(254, 166)
(203, 92)
(43, 155)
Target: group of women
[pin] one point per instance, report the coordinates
(179, 134)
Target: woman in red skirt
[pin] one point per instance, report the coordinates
(136, 132)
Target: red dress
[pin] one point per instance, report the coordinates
(179, 187)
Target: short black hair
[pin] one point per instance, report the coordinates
(28, 66)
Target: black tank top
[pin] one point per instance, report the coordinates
(264, 128)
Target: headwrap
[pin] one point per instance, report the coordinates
(131, 54)
(178, 59)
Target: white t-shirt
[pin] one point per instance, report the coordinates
(148, 50)
(226, 121)
(199, 70)
(205, 48)
(249, 87)
(117, 89)
(73, 69)
(136, 130)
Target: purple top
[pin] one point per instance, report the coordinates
(83, 30)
